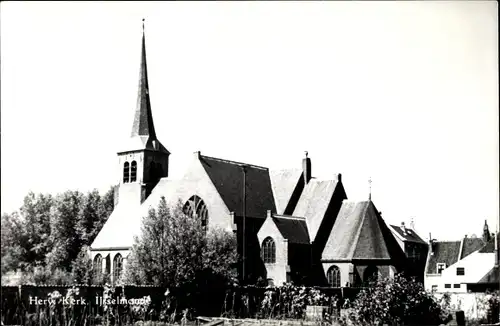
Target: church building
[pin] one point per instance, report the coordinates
(297, 228)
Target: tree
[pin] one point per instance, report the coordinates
(13, 236)
(64, 235)
(174, 251)
(36, 216)
(81, 267)
(89, 216)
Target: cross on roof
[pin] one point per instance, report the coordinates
(370, 188)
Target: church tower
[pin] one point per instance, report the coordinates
(144, 160)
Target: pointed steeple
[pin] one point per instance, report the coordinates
(143, 119)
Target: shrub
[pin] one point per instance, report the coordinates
(397, 301)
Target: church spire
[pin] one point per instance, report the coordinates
(143, 118)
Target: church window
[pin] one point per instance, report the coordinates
(117, 267)
(195, 207)
(269, 251)
(460, 271)
(107, 264)
(126, 171)
(133, 171)
(333, 276)
(97, 265)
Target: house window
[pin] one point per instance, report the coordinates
(456, 286)
(97, 267)
(268, 251)
(195, 207)
(460, 271)
(434, 288)
(333, 276)
(133, 171)
(447, 286)
(270, 282)
(126, 171)
(440, 267)
(117, 267)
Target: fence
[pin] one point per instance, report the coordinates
(21, 302)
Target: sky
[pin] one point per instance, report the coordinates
(404, 93)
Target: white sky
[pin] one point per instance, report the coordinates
(404, 92)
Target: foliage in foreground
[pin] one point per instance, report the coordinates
(397, 301)
(175, 252)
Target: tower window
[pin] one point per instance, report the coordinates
(117, 267)
(126, 172)
(333, 276)
(133, 172)
(269, 251)
(195, 207)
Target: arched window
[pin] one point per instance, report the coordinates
(107, 263)
(268, 251)
(126, 174)
(196, 207)
(133, 171)
(117, 267)
(370, 274)
(333, 276)
(97, 265)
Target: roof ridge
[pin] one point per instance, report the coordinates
(234, 162)
(290, 217)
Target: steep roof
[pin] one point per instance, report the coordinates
(283, 184)
(313, 203)
(227, 176)
(408, 235)
(493, 276)
(293, 229)
(119, 230)
(360, 233)
(470, 245)
(443, 252)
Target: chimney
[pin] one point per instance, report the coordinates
(339, 177)
(269, 213)
(403, 228)
(306, 169)
(197, 154)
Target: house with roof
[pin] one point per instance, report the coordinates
(360, 247)
(415, 249)
(289, 225)
(467, 265)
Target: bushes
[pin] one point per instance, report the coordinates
(397, 301)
